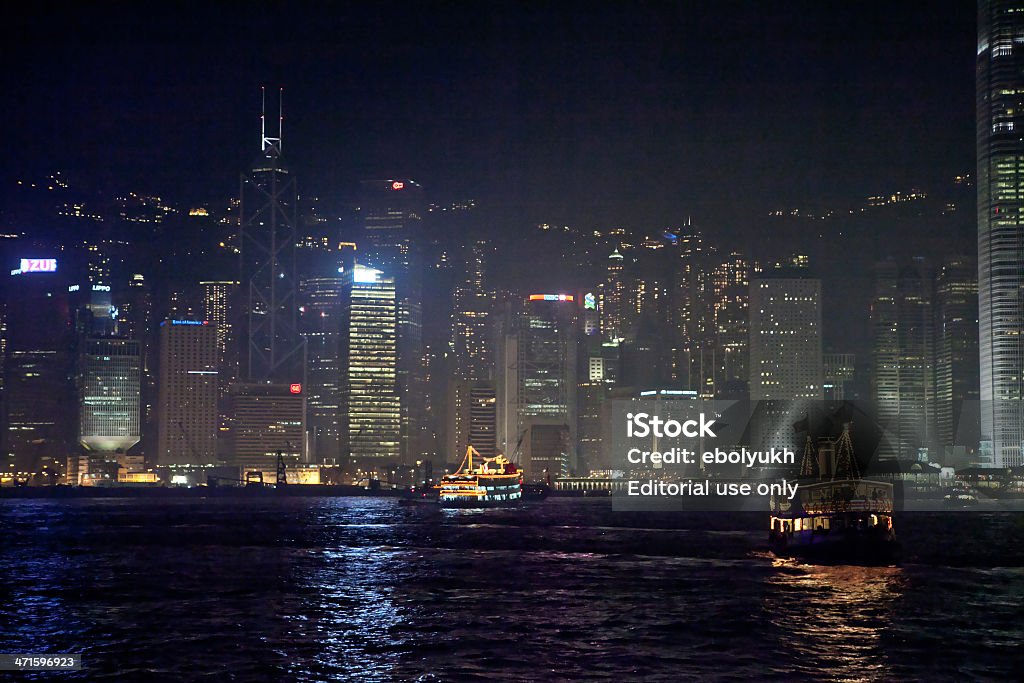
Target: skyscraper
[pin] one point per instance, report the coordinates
(320, 317)
(956, 353)
(472, 303)
(37, 397)
(731, 325)
(268, 419)
(1000, 140)
(470, 350)
(392, 222)
(839, 369)
(536, 377)
(472, 418)
(903, 381)
(785, 351)
(370, 415)
(691, 317)
(217, 297)
(109, 390)
(187, 402)
(272, 347)
(613, 298)
(785, 336)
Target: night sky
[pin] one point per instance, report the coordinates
(605, 114)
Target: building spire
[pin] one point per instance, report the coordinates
(274, 144)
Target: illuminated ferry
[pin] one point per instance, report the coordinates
(842, 518)
(495, 482)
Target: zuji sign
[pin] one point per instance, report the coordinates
(398, 185)
(295, 388)
(36, 265)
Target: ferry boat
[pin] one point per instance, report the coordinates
(494, 482)
(836, 516)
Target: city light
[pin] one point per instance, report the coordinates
(364, 275)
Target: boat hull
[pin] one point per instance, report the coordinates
(478, 504)
(842, 548)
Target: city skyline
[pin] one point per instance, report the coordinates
(579, 120)
(678, 303)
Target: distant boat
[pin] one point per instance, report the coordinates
(493, 482)
(843, 519)
(960, 497)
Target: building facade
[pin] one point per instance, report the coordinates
(109, 394)
(1000, 146)
(320, 317)
(187, 416)
(370, 415)
(536, 370)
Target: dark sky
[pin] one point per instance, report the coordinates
(601, 112)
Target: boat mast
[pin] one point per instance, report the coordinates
(809, 464)
(846, 462)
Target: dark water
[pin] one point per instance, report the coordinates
(362, 589)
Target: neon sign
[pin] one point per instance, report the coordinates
(398, 185)
(590, 301)
(551, 297)
(295, 388)
(36, 265)
(190, 322)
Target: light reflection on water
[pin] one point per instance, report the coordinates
(363, 589)
(832, 618)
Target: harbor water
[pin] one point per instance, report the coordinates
(323, 589)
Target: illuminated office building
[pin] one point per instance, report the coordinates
(268, 419)
(838, 374)
(320, 316)
(217, 297)
(694, 359)
(730, 325)
(472, 304)
(37, 397)
(370, 413)
(614, 298)
(392, 222)
(536, 377)
(1000, 147)
(472, 406)
(469, 352)
(109, 394)
(271, 345)
(786, 371)
(956, 353)
(187, 397)
(785, 337)
(903, 377)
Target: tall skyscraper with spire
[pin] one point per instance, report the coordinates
(1000, 139)
(272, 346)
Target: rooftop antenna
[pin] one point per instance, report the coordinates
(273, 143)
